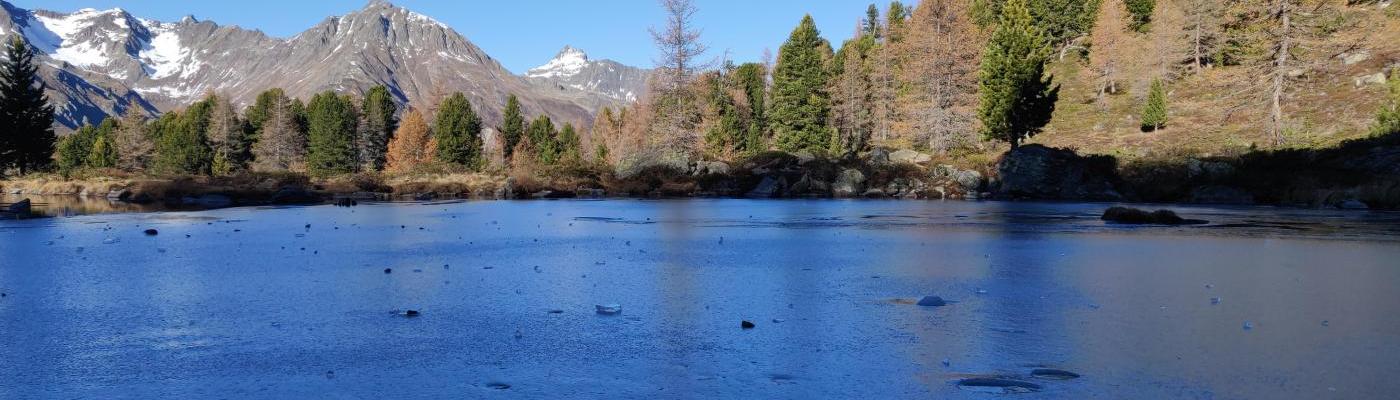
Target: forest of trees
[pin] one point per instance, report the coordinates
(945, 76)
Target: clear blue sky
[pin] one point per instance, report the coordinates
(525, 33)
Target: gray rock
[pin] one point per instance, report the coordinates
(1355, 57)
(907, 156)
(1372, 79)
(878, 157)
(971, 181)
(849, 183)
(1039, 172)
(119, 195)
(932, 301)
(506, 190)
(769, 188)
(1133, 216)
(703, 168)
(804, 156)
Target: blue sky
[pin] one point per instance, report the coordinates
(525, 33)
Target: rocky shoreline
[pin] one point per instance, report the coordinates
(1368, 178)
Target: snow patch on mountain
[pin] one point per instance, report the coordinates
(567, 63)
(164, 56)
(58, 36)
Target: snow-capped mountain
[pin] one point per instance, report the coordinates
(96, 62)
(602, 82)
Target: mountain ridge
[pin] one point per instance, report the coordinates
(95, 62)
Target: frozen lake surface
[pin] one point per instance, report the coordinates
(295, 302)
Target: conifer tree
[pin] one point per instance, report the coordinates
(752, 81)
(1154, 113)
(103, 154)
(1141, 11)
(1017, 97)
(512, 126)
(871, 24)
(798, 116)
(377, 114)
(182, 147)
(73, 150)
(939, 59)
(281, 141)
(1388, 119)
(228, 138)
(544, 139)
(26, 118)
(570, 145)
(331, 121)
(1061, 21)
(457, 130)
(132, 140)
(412, 143)
(1110, 49)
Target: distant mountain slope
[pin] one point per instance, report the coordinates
(606, 82)
(95, 62)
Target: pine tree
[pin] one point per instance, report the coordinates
(852, 95)
(331, 121)
(72, 151)
(512, 126)
(1204, 30)
(103, 154)
(458, 132)
(281, 141)
(1111, 50)
(379, 122)
(894, 22)
(870, 26)
(1154, 113)
(752, 81)
(182, 147)
(1017, 97)
(132, 140)
(228, 138)
(1141, 11)
(26, 118)
(411, 145)
(1388, 119)
(1061, 21)
(800, 102)
(570, 145)
(544, 139)
(939, 58)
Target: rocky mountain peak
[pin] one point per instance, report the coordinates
(569, 62)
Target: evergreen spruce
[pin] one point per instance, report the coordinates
(800, 102)
(544, 140)
(512, 126)
(182, 147)
(1017, 98)
(104, 154)
(1154, 113)
(73, 150)
(26, 118)
(379, 123)
(457, 129)
(1142, 13)
(570, 145)
(331, 122)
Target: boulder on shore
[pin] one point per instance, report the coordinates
(1133, 216)
(850, 183)
(1039, 172)
(907, 156)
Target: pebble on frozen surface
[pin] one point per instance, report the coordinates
(746, 325)
(608, 309)
(932, 301)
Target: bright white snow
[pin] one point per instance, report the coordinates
(58, 36)
(568, 63)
